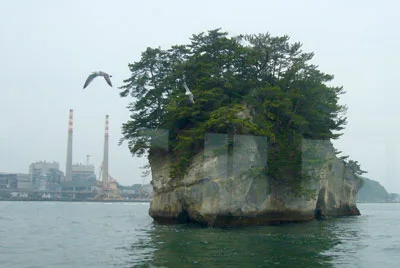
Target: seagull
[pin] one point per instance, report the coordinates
(188, 93)
(94, 75)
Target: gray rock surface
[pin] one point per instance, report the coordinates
(208, 196)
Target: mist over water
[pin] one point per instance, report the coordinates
(58, 234)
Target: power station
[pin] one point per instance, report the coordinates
(46, 181)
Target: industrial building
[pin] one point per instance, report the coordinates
(82, 178)
(83, 172)
(8, 181)
(45, 176)
(24, 182)
(15, 181)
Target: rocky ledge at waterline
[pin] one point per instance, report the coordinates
(209, 196)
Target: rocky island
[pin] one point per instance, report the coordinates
(208, 196)
(255, 145)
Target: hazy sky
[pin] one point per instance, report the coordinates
(48, 48)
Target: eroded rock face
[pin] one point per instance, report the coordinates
(208, 196)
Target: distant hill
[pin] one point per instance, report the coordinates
(135, 187)
(372, 191)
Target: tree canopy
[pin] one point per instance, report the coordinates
(272, 78)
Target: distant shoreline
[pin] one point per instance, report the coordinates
(376, 202)
(81, 201)
(142, 201)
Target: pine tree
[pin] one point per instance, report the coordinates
(287, 95)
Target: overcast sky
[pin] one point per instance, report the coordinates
(48, 48)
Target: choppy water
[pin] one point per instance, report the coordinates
(58, 234)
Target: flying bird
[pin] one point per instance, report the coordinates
(188, 93)
(94, 75)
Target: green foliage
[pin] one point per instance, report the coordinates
(354, 167)
(287, 96)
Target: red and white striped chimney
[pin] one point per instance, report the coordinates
(68, 168)
(106, 130)
(71, 120)
(105, 153)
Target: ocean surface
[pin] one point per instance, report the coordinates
(61, 234)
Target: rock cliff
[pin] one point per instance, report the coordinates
(210, 195)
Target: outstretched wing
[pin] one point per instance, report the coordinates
(191, 98)
(107, 77)
(188, 93)
(186, 87)
(89, 79)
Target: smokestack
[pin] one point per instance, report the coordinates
(105, 154)
(68, 168)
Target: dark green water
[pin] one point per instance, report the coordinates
(50, 234)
